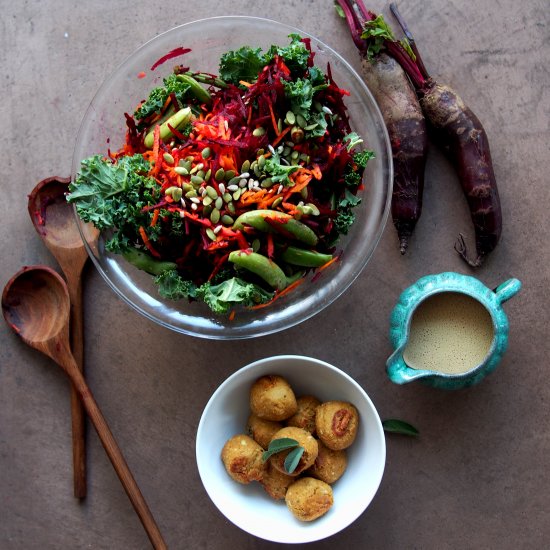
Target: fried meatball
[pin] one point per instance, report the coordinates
(276, 483)
(329, 464)
(272, 398)
(242, 458)
(305, 440)
(262, 430)
(305, 415)
(336, 423)
(309, 498)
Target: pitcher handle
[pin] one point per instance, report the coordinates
(507, 289)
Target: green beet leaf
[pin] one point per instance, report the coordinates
(396, 426)
(292, 459)
(278, 445)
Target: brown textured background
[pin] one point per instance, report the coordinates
(477, 476)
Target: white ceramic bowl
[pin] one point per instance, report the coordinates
(249, 506)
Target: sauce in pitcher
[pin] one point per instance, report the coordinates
(450, 333)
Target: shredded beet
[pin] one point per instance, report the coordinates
(176, 52)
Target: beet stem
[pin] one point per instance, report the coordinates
(410, 38)
(355, 26)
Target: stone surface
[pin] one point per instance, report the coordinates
(475, 478)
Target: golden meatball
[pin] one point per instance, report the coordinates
(309, 498)
(305, 415)
(305, 440)
(276, 483)
(262, 430)
(242, 458)
(329, 464)
(336, 423)
(272, 398)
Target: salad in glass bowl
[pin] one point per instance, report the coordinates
(232, 188)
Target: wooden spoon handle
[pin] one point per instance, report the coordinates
(78, 416)
(115, 455)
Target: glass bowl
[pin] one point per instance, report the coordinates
(104, 126)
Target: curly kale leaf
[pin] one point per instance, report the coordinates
(223, 296)
(246, 62)
(344, 220)
(354, 171)
(173, 286)
(300, 94)
(158, 96)
(295, 55)
(362, 158)
(278, 172)
(242, 64)
(111, 195)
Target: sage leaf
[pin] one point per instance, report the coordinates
(292, 459)
(396, 426)
(278, 445)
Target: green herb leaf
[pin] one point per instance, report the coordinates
(393, 425)
(278, 445)
(292, 459)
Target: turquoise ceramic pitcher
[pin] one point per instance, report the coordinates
(430, 286)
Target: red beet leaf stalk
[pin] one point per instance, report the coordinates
(403, 117)
(464, 139)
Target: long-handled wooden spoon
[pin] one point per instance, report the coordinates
(36, 305)
(54, 221)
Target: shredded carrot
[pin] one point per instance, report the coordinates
(279, 294)
(273, 119)
(232, 315)
(156, 213)
(147, 242)
(280, 136)
(330, 262)
(316, 171)
(156, 150)
(245, 83)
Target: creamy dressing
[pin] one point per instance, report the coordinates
(450, 333)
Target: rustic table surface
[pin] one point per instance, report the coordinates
(477, 475)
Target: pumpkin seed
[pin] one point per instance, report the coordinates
(211, 234)
(261, 161)
(168, 158)
(227, 220)
(215, 216)
(196, 180)
(245, 166)
(227, 197)
(212, 193)
(206, 152)
(219, 175)
(237, 194)
(258, 132)
(277, 202)
(301, 121)
(208, 174)
(229, 175)
(290, 118)
(180, 170)
(177, 194)
(231, 207)
(207, 201)
(218, 203)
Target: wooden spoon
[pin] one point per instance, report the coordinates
(54, 221)
(36, 305)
